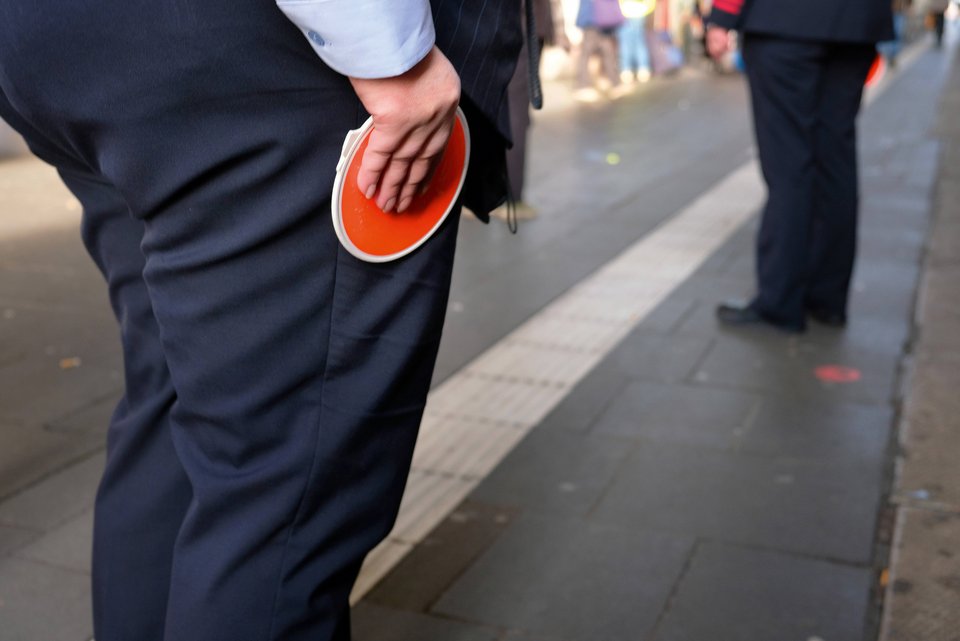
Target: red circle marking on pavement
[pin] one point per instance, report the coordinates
(837, 374)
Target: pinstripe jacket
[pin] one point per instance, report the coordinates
(482, 40)
(855, 21)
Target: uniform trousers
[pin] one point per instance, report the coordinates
(274, 384)
(806, 96)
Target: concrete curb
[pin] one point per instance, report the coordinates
(923, 584)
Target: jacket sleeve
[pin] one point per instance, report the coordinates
(726, 13)
(365, 38)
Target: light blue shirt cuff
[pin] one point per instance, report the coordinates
(365, 38)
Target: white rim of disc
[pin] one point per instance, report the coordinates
(351, 145)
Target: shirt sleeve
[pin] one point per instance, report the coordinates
(365, 38)
(726, 13)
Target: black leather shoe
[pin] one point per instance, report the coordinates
(740, 314)
(828, 318)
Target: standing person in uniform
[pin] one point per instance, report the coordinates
(274, 383)
(806, 63)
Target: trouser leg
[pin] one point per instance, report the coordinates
(627, 45)
(643, 51)
(518, 98)
(608, 57)
(588, 46)
(784, 78)
(834, 234)
(144, 492)
(300, 374)
(939, 21)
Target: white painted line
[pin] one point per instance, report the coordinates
(477, 416)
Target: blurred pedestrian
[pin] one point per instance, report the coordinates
(936, 14)
(274, 383)
(632, 39)
(548, 17)
(806, 63)
(891, 48)
(599, 21)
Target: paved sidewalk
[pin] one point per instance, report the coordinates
(685, 483)
(703, 483)
(923, 592)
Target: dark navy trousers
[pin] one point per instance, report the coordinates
(275, 384)
(806, 96)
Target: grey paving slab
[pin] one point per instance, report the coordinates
(570, 578)
(12, 538)
(29, 452)
(717, 286)
(743, 266)
(555, 472)
(863, 333)
(51, 271)
(31, 333)
(55, 499)
(68, 546)
(42, 603)
(925, 585)
(588, 399)
(375, 623)
(92, 419)
(889, 277)
(822, 509)
(654, 356)
(877, 242)
(745, 359)
(678, 414)
(838, 432)
(735, 593)
(666, 316)
(41, 389)
(443, 556)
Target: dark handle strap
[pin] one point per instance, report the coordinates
(533, 57)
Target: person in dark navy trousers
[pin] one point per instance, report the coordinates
(806, 63)
(274, 383)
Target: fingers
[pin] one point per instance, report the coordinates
(395, 168)
(416, 180)
(372, 165)
(413, 116)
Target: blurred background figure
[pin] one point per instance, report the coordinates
(666, 27)
(599, 20)
(936, 14)
(891, 48)
(549, 25)
(693, 33)
(632, 38)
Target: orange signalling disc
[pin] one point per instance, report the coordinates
(376, 236)
(877, 71)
